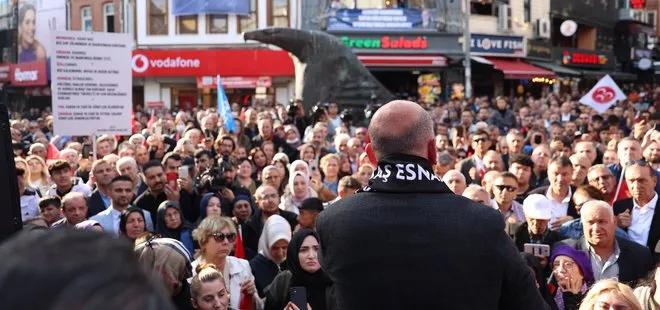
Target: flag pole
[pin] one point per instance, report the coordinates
(618, 188)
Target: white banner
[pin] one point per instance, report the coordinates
(91, 83)
(602, 96)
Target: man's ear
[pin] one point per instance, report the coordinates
(371, 155)
(432, 154)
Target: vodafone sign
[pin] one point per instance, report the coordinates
(225, 62)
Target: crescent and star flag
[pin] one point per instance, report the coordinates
(605, 94)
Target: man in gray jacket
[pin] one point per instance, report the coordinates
(407, 242)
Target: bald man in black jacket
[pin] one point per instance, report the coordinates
(407, 242)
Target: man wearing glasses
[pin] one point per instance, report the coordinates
(473, 168)
(505, 189)
(268, 201)
(600, 177)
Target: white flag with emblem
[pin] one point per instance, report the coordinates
(605, 94)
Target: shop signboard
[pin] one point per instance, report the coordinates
(381, 19)
(496, 45)
(538, 49)
(234, 82)
(92, 85)
(637, 4)
(28, 74)
(584, 58)
(193, 63)
(387, 42)
(408, 44)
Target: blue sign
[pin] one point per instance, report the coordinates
(381, 19)
(493, 45)
(194, 7)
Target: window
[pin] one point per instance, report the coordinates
(217, 24)
(186, 24)
(528, 11)
(86, 19)
(483, 8)
(157, 14)
(109, 17)
(249, 23)
(638, 15)
(279, 13)
(651, 19)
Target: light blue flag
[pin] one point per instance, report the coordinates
(224, 109)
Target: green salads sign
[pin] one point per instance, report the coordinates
(387, 42)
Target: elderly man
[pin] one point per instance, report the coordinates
(637, 215)
(74, 208)
(128, 166)
(581, 165)
(477, 194)
(600, 177)
(455, 181)
(610, 256)
(559, 192)
(535, 229)
(404, 196)
(629, 150)
(610, 157)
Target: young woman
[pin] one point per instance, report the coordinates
(258, 157)
(610, 294)
(171, 224)
(297, 191)
(244, 175)
(208, 290)
(132, 223)
(304, 270)
(216, 236)
(39, 177)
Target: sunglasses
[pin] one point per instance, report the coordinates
(506, 187)
(220, 237)
(479, 140)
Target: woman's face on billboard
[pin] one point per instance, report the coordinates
(28, 27)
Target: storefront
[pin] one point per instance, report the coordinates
(592, 65)
(539, 53)
(29, 85)
(498, 68)
(186, 79)
(409, 65)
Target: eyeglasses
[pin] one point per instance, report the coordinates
(269, 196)
(506, 187)
(220, 237)
(477, 140)
(566, 265)
(640, 162)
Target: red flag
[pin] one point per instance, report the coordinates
(239, 252)
(152, 120)
(622, 191)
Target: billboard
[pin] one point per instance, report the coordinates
(381, 19)
(194, 7)
(36, 20)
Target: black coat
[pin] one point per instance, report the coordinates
(571, 205)
(421, 249)
(521, 236)
(95, 204)
(635, 261)
(654, 232)
(264, 272)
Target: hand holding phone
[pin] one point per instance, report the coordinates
(171, 179)
(299, 296)
(537, 249)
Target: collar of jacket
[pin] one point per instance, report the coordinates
(400, 173)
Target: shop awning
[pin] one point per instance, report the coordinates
(555, 68)
(415, 61)
(515, 69)
(481, 60)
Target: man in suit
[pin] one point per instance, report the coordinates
(121, 193)
(102, 174)
(559, 192)
(610, 256)
(629, 150)
(409, 225)
(472, 167)
(637, 215)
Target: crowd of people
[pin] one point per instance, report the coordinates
(227, 220)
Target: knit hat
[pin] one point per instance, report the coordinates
(312, 204)
(580, 258)
(242, 197)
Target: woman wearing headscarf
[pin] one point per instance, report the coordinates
(572, 271)
(534, 264)
(297, 191)
(132, 223)
(171, 224)
(315, 184)
(212, 204)
(290, 148)
(303, 270)
(273, 245)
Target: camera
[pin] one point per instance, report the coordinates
(292, 109)
(213, 179)
(346, 116)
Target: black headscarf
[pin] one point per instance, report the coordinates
(123, 219)
(162, 229)
(315, 283)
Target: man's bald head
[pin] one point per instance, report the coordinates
(401, 127)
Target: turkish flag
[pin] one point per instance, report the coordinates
(622, 191)
(604, 95)
(239, 252)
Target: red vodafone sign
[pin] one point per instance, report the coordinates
(248, 63)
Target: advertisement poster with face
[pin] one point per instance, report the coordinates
(36, 19)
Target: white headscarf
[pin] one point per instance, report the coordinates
(276, 228)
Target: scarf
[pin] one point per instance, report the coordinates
(275, 229)
(399, 173)
(181, 233)
(315, 283)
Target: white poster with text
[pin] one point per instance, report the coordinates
(91, 83)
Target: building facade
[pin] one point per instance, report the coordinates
(179, 54)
